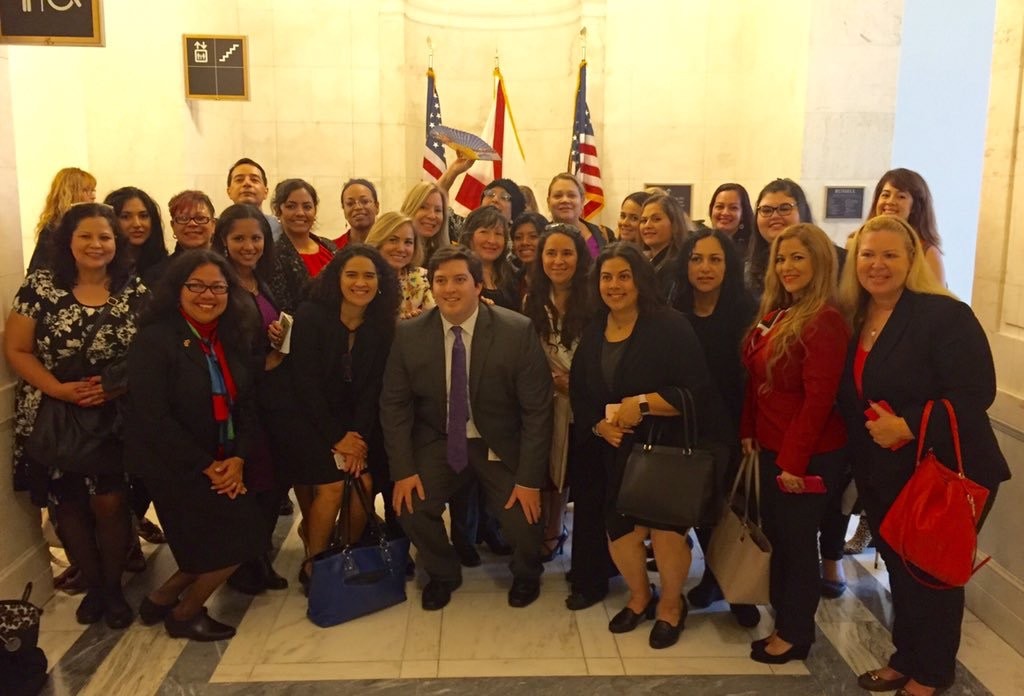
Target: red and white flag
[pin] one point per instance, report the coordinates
(433, 152)
(500, 132)
(583, 162)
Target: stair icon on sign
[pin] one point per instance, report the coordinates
(234, 47)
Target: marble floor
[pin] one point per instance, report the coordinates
(478, 643)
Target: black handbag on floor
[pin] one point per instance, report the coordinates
(358, 578)
(22, 663)
(674, 486)
(71, 437)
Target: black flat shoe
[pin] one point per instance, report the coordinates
(627, 619)
(746, 615)
(523, 592)
(247, 579)
(705, 593)
(870, 681)
(90, 610)
(796, 652)
(151, 613)
(438, 593)
(272, 580)
(663, 634)
(200, 628)
(582, 599)
(150, 532)
(116, 611)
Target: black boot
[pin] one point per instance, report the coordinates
(271, 579)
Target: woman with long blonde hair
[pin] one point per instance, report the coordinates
(70, 185)
(427, 205)
(393, 236)
(794, 356)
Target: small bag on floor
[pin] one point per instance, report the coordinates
(22, 663)
(356, 579)
(740, 554)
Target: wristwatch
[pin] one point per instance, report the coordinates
(645, 408)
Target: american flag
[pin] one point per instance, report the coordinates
(434, 162)
(583, 153)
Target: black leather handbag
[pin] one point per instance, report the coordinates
(22, 663)
(674, 486)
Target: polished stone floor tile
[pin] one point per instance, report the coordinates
(419, 669)
(605, 666)
(323, 671)
(998, 666)
(556, 667)
(138, 663)
(693, 665)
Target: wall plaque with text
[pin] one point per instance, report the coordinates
(844, 202)
(51, 22)
(681, 193)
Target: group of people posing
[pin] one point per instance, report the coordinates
(496, 366)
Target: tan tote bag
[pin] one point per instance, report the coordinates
(739, 553)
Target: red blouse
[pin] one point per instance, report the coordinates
(316, 262)
(797, 417)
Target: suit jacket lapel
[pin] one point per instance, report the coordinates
(190, 344)
(483, 336)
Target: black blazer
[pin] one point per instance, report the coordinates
(170, 430)
(289, 275)
(932, 347)
(662, 354)
(510, 393)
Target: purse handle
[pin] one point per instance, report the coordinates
(750, 473)
(352, 482)
(954, 428)
(688, 414)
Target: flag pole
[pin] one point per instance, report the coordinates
(583, 42)
(430, 54)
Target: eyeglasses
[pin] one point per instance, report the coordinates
(198, 287)
(492, 194)
(362, 203)
(185, 219)
(767, 211)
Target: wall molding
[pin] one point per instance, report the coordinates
(996, 597)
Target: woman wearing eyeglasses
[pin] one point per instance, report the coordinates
(327, 388)
(300, 254)
(192, 221)
(190, 431)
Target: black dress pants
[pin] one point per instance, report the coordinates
(791, 522)
(591, 561)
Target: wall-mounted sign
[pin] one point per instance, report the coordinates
(51, 22)
(216, 67)
(844, 202)
(682, 193)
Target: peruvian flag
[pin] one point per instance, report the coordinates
(500, 129)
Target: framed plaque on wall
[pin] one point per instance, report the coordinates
(51, 22)
(681, 193)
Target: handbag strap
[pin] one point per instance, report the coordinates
(750, 473)
(688, 415)
(353, 483)
(953, 427)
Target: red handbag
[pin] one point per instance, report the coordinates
(933, 523)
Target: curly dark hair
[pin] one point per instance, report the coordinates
(244, 211)
(382, 312)
(649, 298)
(759, 246)
(538, 301)
(733, 288)
(236, 327)
(154, 249)
(65, 270)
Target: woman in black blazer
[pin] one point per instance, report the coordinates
(638, 354)
(913, 342)
(190, 429)
(322, 411)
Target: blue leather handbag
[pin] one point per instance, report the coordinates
(353, 580)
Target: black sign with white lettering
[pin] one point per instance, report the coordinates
(216, 67)
(681, 193)
(844, 202)
(51, 22)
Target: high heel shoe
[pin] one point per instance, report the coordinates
(860, 540)
(627, 619)
(557, 549)
(795, 652)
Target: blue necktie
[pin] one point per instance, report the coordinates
(458, 406)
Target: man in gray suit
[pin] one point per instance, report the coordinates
(467, 390)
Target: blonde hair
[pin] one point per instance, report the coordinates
(387, 225)
(65, 191)
(413, 200)
(920, 277)
(818, 293)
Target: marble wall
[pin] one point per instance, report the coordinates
(23, 555)
(686, 91)
(997, 596)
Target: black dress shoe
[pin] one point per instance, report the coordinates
(523, 592)
(91, 608)
(438, 593)
(796, 652)
(581, 599)
(870, 681)
(248, 579)
(627, 619)
(468, 556)
(496, 543)
(286, 508)
(272, 580)
(200, 627)
(705, 593)
(116, 611)
(150, 532)
(746, 615)
(151, 613)
(664, 634)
